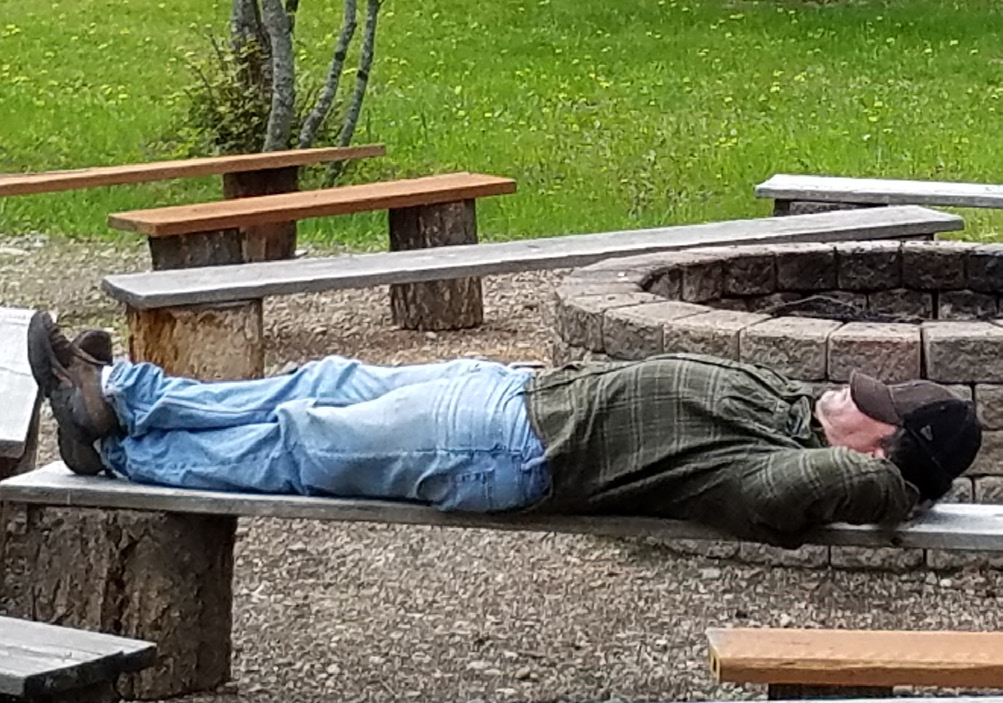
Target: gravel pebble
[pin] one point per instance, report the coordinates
(327, 612)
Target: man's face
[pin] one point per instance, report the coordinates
(846, 426)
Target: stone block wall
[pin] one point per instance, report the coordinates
(937, 306)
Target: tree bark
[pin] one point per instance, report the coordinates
(250, 43)
(320, 111)
(197, 249)
(209, 342)
(361, 83)
(153, 576)
(436, 305)
(272, 241)
(280, 118)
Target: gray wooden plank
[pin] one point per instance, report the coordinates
(219, 284)
(39, 658)
(947, 526)
(880, 191)
(18, 391)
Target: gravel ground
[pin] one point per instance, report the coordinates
(334, 612)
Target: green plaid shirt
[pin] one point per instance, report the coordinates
(692, 437)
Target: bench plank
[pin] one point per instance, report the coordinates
(38, 658)
(244, 212)
(946, 526)
(250, 281)
(857, 657)
(880, 191)
(17, 387)
(51, 181)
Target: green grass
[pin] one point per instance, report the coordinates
(608, 114)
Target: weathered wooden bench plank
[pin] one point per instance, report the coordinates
(857, 657)
(18, 392)
(876, 191)
(221, 284)
(38, 659)
(51, 181)
(946, 526)
(265, 209)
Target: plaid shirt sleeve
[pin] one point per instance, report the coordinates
(793, 492)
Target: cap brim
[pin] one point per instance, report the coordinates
(874, 398)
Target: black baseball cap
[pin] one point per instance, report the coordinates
(943, 425)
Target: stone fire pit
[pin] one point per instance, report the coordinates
(899, 310)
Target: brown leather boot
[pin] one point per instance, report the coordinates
(81, 457)
(71, 379)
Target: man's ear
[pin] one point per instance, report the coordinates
(879, 453)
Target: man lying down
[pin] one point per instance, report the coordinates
(729, 445)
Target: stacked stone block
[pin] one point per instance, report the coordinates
(718, 300)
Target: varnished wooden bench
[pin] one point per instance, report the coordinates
(167, 310)
(243, 175)
(794, 193)
(854, 663)
(42, 663)
(19, 396)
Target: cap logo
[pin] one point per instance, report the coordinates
(927, 432)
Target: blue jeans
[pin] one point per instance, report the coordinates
(455, 435)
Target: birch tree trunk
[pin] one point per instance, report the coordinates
(326, 98)
(280, 118)
(361, 83)
(250, 42)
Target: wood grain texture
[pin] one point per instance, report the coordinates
(217, 343)
(38, 659)
(947, 526)
(857, 657)
(52, 181)
(245, 212)
(18, 391)
(258, 280)
(880, 191)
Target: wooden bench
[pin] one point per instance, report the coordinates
(185, 540)
(423, 212)
(42, 663)
(19, 396)
(854, 663)
(198, 520)
(794, 193)
(243, 175)
(175, 316)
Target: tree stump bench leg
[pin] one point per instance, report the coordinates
(790, 691)
(208, 342)
(161, 577)
(272, 241)
(435, 305)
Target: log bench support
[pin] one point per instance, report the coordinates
(436, 305)
(275, 240)
(162, 577)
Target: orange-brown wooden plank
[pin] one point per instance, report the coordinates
(242, 212)
(52, 181)
(857, 657)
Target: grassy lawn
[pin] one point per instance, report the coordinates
(609, 115)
